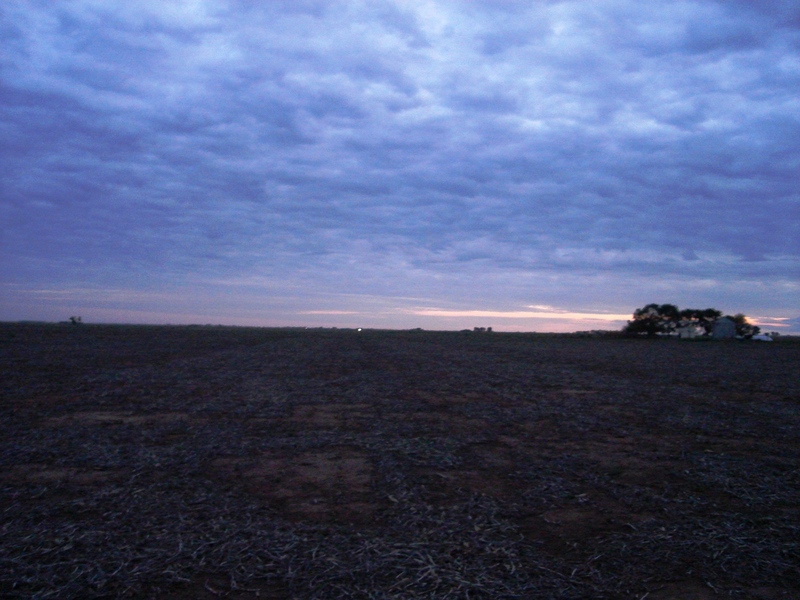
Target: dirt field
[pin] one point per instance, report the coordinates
(211, 462)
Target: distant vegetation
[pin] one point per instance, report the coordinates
(655, 319)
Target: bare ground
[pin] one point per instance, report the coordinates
(211, 462)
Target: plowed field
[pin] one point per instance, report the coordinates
(215, 462)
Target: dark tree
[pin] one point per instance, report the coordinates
(701, 318)
(743, 328)
(654, 319)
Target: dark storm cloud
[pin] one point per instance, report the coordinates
(405, 142)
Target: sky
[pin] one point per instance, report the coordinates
(526, 166)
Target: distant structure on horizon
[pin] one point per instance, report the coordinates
(724, 328)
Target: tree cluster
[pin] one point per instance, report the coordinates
(655, 319)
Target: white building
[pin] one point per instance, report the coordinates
(724, 328)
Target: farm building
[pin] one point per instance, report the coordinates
(724, 328)
(687, 332)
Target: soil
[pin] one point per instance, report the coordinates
(220, 462)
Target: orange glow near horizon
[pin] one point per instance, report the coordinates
(328, 312)
(498, 314)
(768, 321)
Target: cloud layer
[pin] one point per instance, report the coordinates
(337, 156)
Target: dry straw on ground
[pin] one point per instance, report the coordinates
(207, 462)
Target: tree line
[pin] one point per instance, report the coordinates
(655, 319)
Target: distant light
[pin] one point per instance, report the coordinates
(359, 328)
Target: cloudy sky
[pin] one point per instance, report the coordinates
(545, 166)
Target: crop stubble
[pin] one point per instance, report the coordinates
(209, 462)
